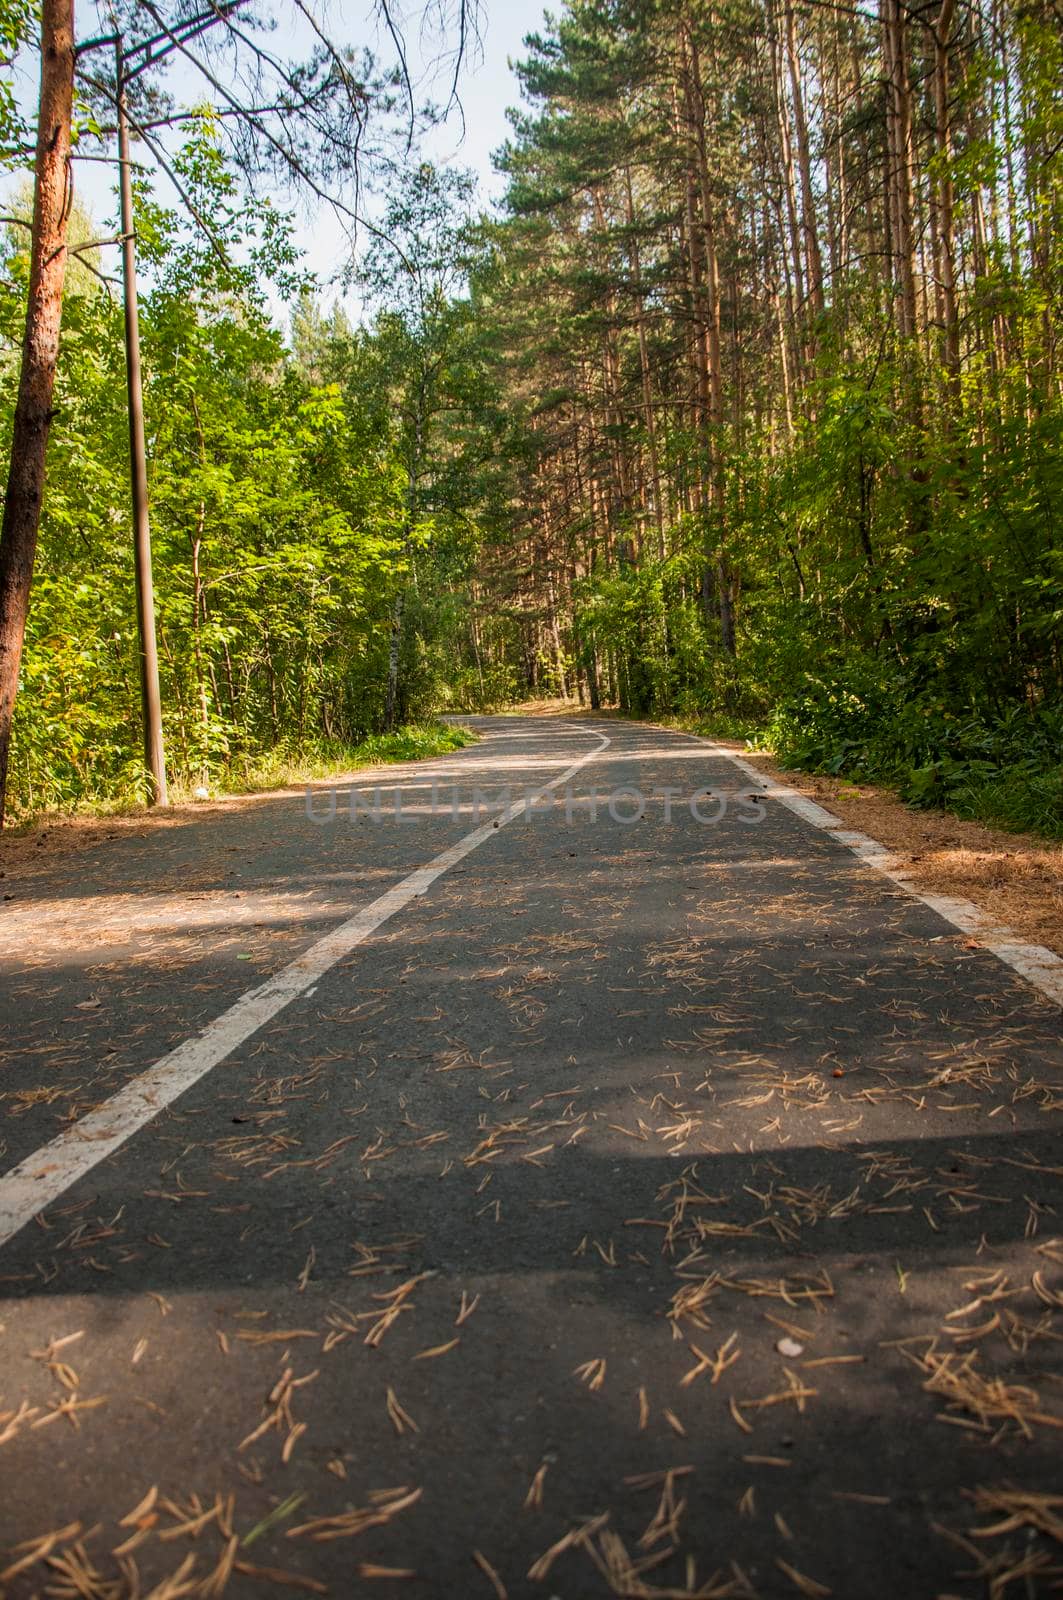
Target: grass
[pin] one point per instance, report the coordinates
(283, 768)
(1018, 802)
(1022, 798)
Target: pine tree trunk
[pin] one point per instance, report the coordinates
(40, 353)
(391, 702)
(813, 259)
(945, 203)
(899, 129)
(696, 109)
(786, 158)
(649, 423)
(398, 608)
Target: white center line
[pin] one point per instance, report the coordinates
(42, 1177)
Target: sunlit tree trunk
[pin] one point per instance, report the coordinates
(899, 143)
(649, 423)
(945, 202)
(813, 258)
(40, 353)
(786, 161)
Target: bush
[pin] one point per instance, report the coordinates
(1005, 768)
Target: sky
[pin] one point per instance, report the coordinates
(486, 87)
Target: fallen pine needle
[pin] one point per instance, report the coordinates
(541, 1569)
(437, 1350)
(745, 1426)
(37, 1549)
(131, 1518)
(467, 1309)
(834, 1361)
(653, 1480)
(291, 1580)
(217, 1583)
(388, 1504)
(177, 1584)
(401, 1420)
(725, 1357)
(278, 1514)
(807, 1586)
(797, 1392)
(1022, 1509)
(69, 1408)
(492, 1576)
(189, 1525)
(282, 1335)
(957, 1379)
(534, 1498)
(308, 1267)
(290, 1442)
(135, 1539)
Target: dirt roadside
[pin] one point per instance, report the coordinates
(1016, 877)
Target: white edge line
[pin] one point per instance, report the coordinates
(42, 1177)
(1039, 966)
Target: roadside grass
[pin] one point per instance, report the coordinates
(1018, 802)
(1018, 794)
(281, 768)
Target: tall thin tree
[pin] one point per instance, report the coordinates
(40, 351)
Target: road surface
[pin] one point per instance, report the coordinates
(630, 1196)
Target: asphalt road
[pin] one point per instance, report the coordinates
(643, 1207)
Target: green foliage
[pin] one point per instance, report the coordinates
(283, 767)
(526, 476)
(17, 18)
(279, 504)
(764, 456)
(869, 724)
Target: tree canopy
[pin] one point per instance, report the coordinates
(743, 405)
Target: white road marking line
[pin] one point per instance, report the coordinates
(42, 1177)
(1039, 966)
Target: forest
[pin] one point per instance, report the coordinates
(742, 406)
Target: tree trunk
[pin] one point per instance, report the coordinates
(398, 609)
(945, 241)
(555, 631)
(813, 259)
(789, 175)
(697, 111)
(635, 263)
(40, 353)
(899, 129)
(197, 642)
(391, 703)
